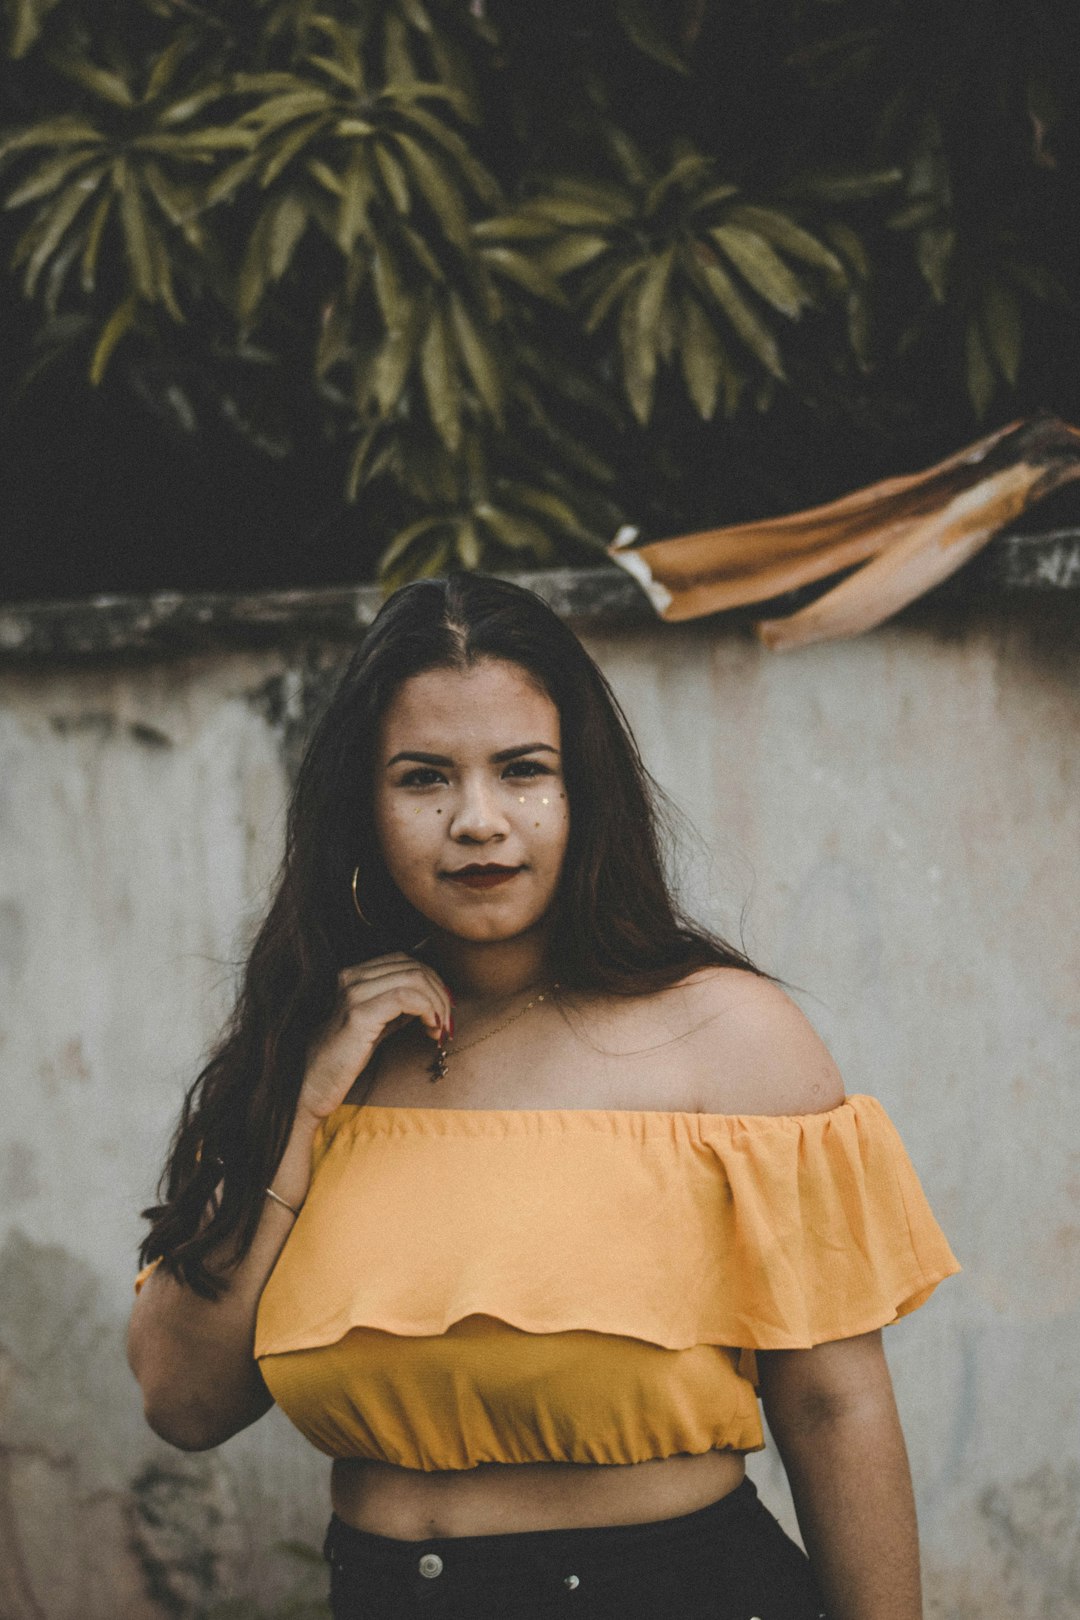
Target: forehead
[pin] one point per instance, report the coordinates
(494, 703)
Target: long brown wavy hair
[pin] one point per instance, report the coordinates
(616, 925)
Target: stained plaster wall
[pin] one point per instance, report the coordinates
(892, 823)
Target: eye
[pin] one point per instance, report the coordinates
(422, 776)
(528, 767)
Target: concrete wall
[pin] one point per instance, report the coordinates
(896, 821)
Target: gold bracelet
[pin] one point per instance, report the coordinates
(270, 1193)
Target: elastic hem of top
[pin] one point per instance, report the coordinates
(343, 1538)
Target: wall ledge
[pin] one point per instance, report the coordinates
(168, 623)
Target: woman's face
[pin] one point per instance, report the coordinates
(469, 774)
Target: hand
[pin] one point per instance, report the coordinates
(376, 998)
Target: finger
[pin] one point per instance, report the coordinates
(355, 968)
(392, 971)
(411, 999)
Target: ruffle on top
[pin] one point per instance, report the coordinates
(750, 1231)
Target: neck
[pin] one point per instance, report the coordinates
(493, 970)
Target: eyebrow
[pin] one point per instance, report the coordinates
(496, 759)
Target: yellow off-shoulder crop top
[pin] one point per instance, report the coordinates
(579, 1285)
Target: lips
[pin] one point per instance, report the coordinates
(483, 877)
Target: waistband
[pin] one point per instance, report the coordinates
(350, 1545)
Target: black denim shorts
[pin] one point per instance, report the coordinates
(727, 1561)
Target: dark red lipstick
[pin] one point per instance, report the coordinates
(486, 876)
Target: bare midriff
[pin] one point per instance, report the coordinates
(504, 1498)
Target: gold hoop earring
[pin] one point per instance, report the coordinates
(367, 921)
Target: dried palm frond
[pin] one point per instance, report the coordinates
(901, 536)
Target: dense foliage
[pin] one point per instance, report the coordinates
(481, 280)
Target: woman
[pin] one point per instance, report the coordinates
(509, 1184)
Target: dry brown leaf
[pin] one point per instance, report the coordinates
(909, 533)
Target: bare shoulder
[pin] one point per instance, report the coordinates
(750, 1048)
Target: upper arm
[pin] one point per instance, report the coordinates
(197, 1393)
(753, 1050)
(800, 1388)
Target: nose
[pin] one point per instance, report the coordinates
(478, 814)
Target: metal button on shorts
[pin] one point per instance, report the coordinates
(431, 1565)
(571, 1581)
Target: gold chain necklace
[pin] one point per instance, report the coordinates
(437, 1066)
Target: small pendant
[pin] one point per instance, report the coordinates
(437, 1066)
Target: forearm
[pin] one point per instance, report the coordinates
(194, 1357)
(851, 1483)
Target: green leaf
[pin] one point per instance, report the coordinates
(324, 176)
(179, 204)
(402, 541)
(638, 19)
(614, 287)
(100, 82)
(52, 227)
(691, 167)
(650, 296)
(516, 533)
(51, 174)
(88, 265)
(136, 232)
(57, 272)
(222, 188)
(849, 245)
(848, 185)
(393, 363)
(347, 75)
(512, 228)
(436, 560)
(440, 382)
(166, 65)
(638, 356)
(701, 356)
(163, 278)
(524, 273)
(561, 258)
(26, 25)
(178, 112)
(63, 131)
(403, 93)
(753, 332)
(570, 212)
(290, 146)
(438, 190)
(763, 269)
(468, 544)
(395, 305)
(356, 195)
(421, 252)
(480, 362)
(980, 374)
(550, 506)
(859, 328)
(400, 68)
(118, 323)
(279, 110)
(393, 177)
(715, 194)
(418, 18)
(197, 143)
(781, 230)
(934, 249)
(1003, 328)
(358, 460)
(482, 182)
(286, 225)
